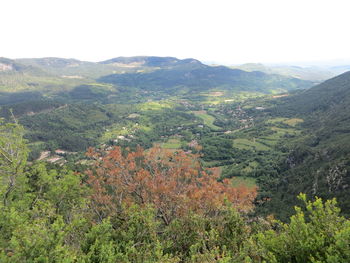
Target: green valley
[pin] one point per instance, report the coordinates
(174, 131)
(269, 137)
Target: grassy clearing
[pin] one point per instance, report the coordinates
(277, 91)
(291, 122)
(279, 133)
(208, 119)
(276, 120)
(282, 131)
(270, 142)
(245, 144)
(217, 97)
(216, 94)
(273, 139)
(171, 144)
(154, 106)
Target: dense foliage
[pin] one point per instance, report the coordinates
(54, 215)
(318, 162)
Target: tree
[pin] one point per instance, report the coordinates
(13, 157)
(173, 182)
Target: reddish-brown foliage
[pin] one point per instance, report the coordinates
(174, 183)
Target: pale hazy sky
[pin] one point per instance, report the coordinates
(225, 31)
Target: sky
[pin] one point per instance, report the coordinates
(218, 31)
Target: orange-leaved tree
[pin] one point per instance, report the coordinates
(174, 183)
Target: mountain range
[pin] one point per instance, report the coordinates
(60, 78)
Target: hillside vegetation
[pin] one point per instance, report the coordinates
(318, 162)
(136, 207)
(157, 159)
(286, 143)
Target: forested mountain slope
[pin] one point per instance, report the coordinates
(193, 76)
(157, 62)
(319, 161)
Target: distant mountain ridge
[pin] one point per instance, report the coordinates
(323, 97)
(340, 69)
(14, 66)
(152, 61)
(73, 79)
(8, 65)
(190, 73)
(52, 62)
(316, 74)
